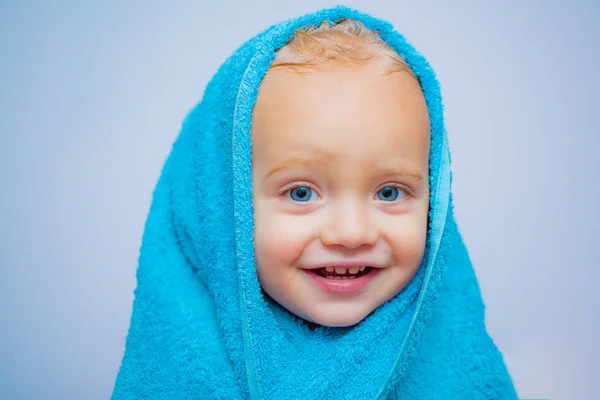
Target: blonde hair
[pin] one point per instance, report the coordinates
(347, 42)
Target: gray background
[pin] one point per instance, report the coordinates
(92, 95)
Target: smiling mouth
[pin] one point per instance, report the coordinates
(342, 280)
(341, 272)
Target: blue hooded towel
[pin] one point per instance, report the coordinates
(201, 327)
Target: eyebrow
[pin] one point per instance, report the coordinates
(284, 164)
(311, 161)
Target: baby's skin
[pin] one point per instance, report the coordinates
(340, 187)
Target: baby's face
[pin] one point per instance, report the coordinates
(340, 182)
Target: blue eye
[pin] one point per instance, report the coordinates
(301, 193)
(388, 193)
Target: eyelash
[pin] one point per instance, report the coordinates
(293, 186)
(399, 186)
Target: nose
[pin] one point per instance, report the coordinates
(349, 225)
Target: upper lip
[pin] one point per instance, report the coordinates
(346, 264)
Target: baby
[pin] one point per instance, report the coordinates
(301, 242)
(340, 150)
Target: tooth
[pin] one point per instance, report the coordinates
(344, 277)
(341, 270)
(353, 270)
(351, 277)
(329, 269)
(337, 277)
(329, 277)
(362, 268)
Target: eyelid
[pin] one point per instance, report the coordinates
(408, 191)
(294, 185)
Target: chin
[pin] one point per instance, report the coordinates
(337, 319)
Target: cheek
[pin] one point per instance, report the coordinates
(408, 241)
(279, 242)
(279, 239)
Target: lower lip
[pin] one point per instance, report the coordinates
(349, 286)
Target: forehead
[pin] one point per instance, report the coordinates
(344, 111)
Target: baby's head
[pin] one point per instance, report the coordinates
(340, 155)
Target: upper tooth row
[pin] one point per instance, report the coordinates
(343, 270)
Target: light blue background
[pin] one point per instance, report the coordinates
(92, 95)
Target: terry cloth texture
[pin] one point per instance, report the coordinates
(202, 329)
